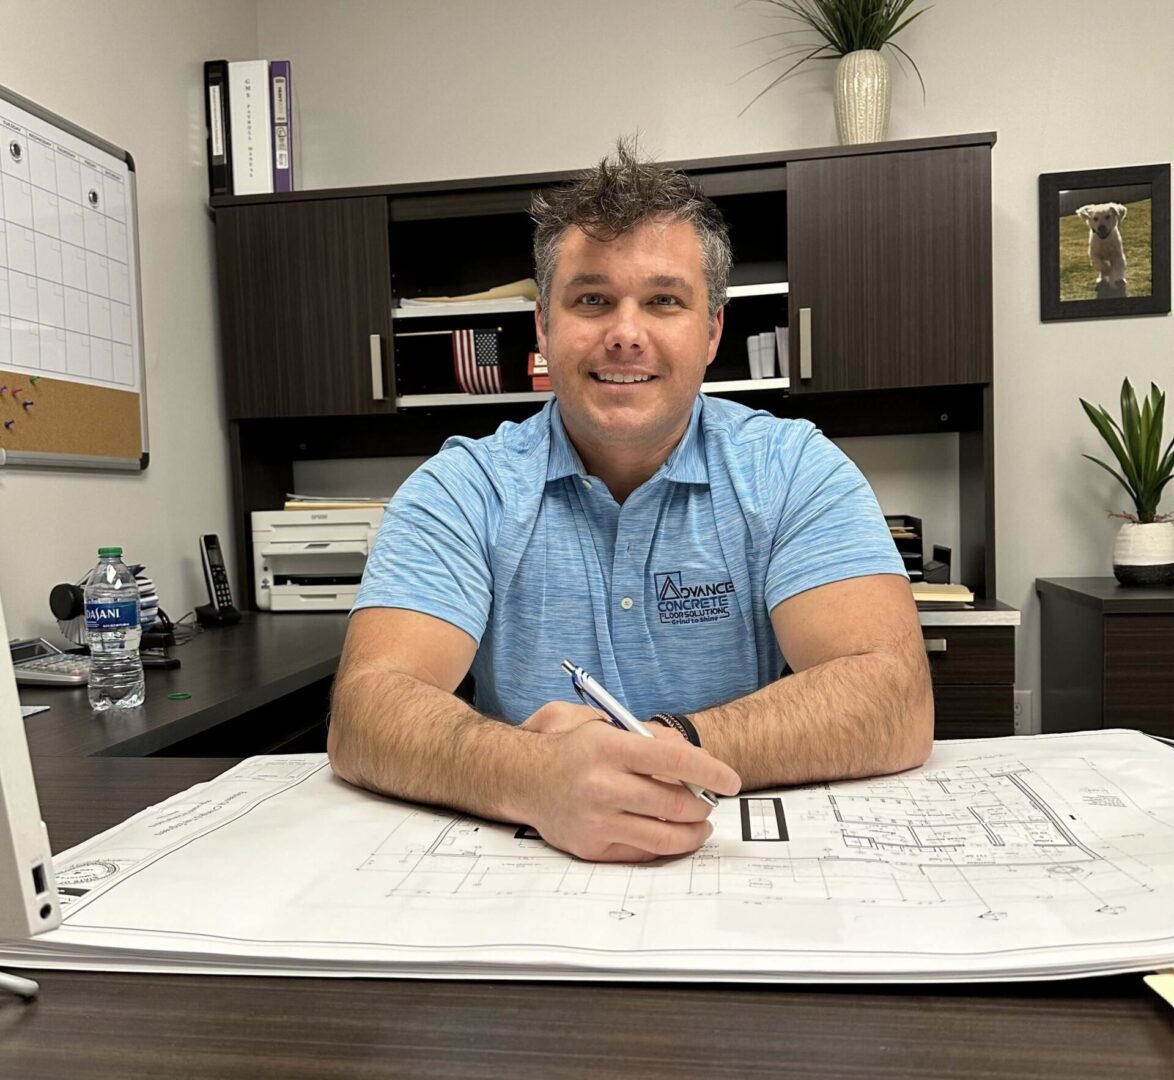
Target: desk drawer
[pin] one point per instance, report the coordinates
(969, 655)
(972, 712)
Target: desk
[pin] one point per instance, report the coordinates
(270, 674)
(117, 1025)
(1107, 656)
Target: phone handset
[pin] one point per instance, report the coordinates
(219, 611)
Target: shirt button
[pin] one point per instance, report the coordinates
(626, 603)
(587, 484)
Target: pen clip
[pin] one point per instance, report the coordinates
(586, 696)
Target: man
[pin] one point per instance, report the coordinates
(684, 550)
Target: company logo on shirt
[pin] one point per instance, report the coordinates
(684, 604)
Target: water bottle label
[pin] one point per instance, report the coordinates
(111, 614)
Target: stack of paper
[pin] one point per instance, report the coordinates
(293, 501)
(525, 290)
(925, 592)
(1017, 858)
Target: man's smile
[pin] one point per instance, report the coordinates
(621, 377)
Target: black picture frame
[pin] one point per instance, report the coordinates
(1056, 191)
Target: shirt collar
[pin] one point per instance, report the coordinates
(685, 465)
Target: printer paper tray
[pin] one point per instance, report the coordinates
(314, 598)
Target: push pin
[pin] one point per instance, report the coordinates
(8, 424)
(34, 379)
(26, 405)
(3, 390)
(17, 392)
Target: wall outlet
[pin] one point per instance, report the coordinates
(1021, 710)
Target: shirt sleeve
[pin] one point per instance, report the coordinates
(432, 552)
(830, 526)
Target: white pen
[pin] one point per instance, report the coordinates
(594, 694)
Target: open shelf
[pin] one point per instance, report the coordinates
(766, 288)
(417, 401)
(498, 307)
(462, 307)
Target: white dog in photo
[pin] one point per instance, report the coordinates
(1106, 253)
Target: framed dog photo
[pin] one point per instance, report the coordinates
(1104, 242)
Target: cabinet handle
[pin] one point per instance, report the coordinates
(377, 393)
(935, 644)
(805, 343)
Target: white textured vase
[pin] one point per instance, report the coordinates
(862, 97)
(1144, 554)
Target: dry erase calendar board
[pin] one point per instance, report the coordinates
(72, 391)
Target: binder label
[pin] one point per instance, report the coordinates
(217, 124)
(279, 100)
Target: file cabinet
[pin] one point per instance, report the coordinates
(1107, 653)
(973, 672)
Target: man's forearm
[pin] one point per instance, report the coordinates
(854, 716)
(401, 736)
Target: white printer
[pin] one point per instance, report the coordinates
(311, 560)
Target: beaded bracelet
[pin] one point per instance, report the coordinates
(682, 725)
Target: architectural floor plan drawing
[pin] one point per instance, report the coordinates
(1030, 857)
(978, 838)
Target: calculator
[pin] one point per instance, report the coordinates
(37, 662)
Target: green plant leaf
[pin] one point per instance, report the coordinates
(775, 82)
(844, 26)
(1146, 421)
(1112, 472)
(1130, 423)
(1104, 423)
(893, 45)
(1156, 470)
(1166, 465)
(1136, 442)
(1154, 444)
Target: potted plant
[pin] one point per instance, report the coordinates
(854, 31)
(1144, 551)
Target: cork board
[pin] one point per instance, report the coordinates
(72, 372)
(53, 416)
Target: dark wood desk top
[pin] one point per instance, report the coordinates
(107, 1025)
(1108, 595)
(228, 671)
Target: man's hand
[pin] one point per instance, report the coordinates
(556, 717)
(597, 793)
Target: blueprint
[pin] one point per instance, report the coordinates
(1000, 858)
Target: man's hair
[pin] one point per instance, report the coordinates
(620, 193)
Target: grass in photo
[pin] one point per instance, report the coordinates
(1078, 278)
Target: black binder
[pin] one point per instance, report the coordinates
(216, 116)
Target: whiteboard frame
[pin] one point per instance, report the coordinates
(48, 459)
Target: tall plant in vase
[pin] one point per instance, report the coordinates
(852, 32)
(1144, 550)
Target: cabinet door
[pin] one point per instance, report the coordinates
(889, 263)
(305, 308)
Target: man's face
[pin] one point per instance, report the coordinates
(629, 337)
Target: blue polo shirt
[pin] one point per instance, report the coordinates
(665, 599)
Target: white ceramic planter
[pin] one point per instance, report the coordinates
(1144, 554)
(862, 97)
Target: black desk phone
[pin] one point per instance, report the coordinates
(219, 611)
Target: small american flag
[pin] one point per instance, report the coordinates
(475, 361)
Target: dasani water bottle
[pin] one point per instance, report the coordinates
(112, 627)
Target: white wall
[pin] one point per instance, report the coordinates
(421, 90)
(428, 90)
(131, 71)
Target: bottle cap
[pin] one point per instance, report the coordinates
(103, 552)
